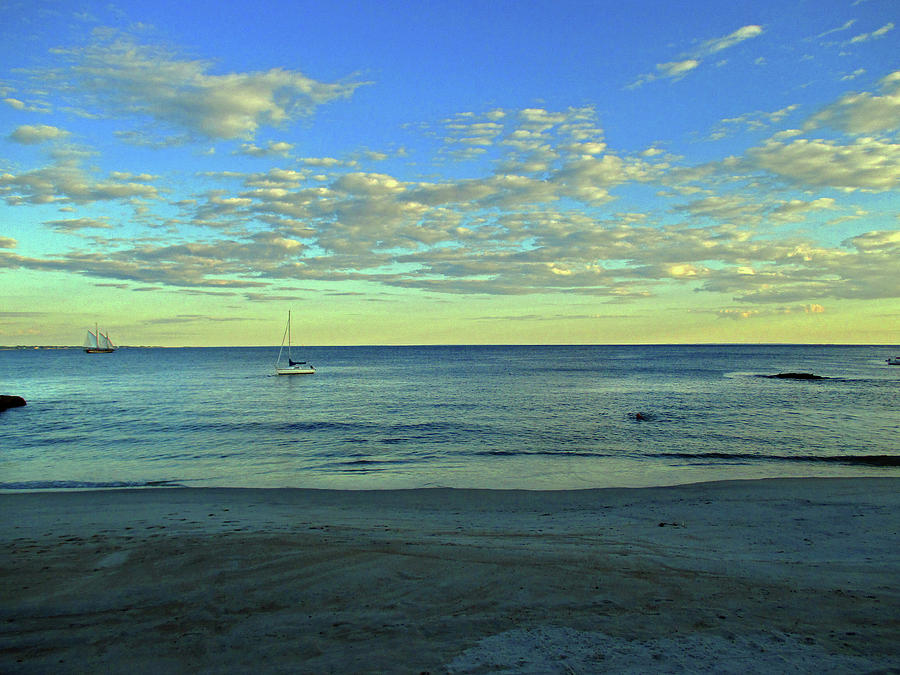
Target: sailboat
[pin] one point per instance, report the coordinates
(292, 367)
(98, 343)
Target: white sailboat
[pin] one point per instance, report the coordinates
(292, 367)
(97, 343)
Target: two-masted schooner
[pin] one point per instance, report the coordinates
(98, 343)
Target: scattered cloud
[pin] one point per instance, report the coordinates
(859, 72)
(532, 219)
(20, 315)
(75, 224)
(33, 134)
(742, 314)
(796, 210)
(878, 241)
(718, 44)
(874, 35)
(675, 70)
(863, 164)
(730, 208)
(374, 231)
(864, 112)
(125, 78)
(324, 162)
(846, 26)
(271, 149)
(23, 106)
(753, 121)
(66, 182)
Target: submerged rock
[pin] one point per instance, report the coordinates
(11, 402)
(797, 376)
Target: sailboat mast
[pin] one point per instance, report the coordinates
(292, 367)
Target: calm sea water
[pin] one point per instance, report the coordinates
(488, 417)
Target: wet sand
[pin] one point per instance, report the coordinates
(786, 575)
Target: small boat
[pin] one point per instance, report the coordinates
(894, 361)
(292, 367)
(98, 343)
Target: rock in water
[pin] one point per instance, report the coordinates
(11, 401)
(797, 376)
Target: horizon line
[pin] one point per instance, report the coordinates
(484, 344)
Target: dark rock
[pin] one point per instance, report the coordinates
(797, 376)
(11, 402)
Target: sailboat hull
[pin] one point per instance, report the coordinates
(96, 350)
(296, 370)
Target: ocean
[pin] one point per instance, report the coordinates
(524, 417)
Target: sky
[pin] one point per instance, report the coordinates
(450, 172)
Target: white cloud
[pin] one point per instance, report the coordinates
(130, 79)
(538, 119)
(323, 162)
(67, 182)
(874, 35)
(271, 149)
(532, 221)
(730, 208)
(839, 29)
(743, 314)
(368, 184)
(866, 163)
(753, 121)
(675, 70)
(887, 241)
(796, 210)
(859, 72)
(33, 134)
(38, 107)
(738, 36)
(864, 113)
(74, 224)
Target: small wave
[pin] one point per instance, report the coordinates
(538, 453)
(85, 485)
(868, 460)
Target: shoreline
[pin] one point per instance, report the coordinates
(799, 571)
(624, 476)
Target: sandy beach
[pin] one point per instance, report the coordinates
(783, 575)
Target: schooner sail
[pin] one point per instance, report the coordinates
(98, 343)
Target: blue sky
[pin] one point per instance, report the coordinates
(436, 172)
